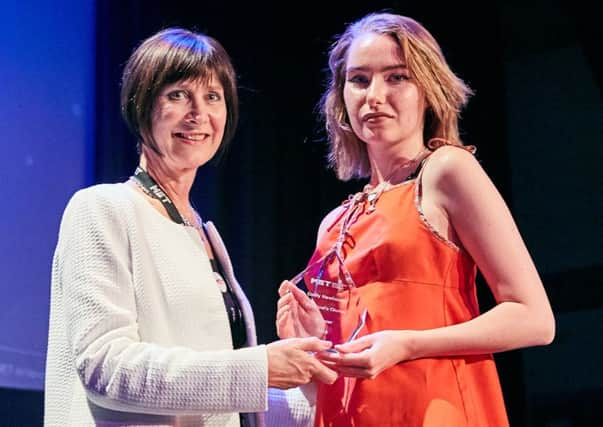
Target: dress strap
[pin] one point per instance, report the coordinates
(434, 144)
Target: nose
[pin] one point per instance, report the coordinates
(193, 117)
(376, 92)
(196, 114)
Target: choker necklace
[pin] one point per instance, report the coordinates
(150, 187)
(371, 193)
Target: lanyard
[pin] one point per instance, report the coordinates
(155, 191)
(235, 315)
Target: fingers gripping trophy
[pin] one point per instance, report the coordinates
(332, 308)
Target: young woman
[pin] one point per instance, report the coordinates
(409, 244)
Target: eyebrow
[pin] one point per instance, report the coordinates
(386, 68)
(188, 86)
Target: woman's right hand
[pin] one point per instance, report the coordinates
(297, 315)
(291, 362)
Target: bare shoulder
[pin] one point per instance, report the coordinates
(457, 182)
(451, 170)
(450, 162)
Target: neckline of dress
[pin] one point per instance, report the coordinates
(386, 186)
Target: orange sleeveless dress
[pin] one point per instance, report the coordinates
(408, 277)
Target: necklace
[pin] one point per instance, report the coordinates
(196, 224)
(372, 193)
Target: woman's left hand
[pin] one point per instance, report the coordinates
(368, 356)
(297, 314)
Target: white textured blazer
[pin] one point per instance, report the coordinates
(138, 331)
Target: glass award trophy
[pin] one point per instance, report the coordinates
(342, 315)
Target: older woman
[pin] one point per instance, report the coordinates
(148, 324)
(409, 243)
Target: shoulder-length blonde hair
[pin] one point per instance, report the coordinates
(445, 93)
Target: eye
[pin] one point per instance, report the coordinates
(214, 96)
(358, 79)
(177, 95)
(398, 77)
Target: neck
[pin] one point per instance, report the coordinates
(176, 184)
(394, 163)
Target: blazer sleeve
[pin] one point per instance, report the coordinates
(294, 407)
(92, 269)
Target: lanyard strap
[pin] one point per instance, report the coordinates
(154, 190)
(235, 314)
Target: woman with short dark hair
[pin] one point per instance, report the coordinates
(148, 324)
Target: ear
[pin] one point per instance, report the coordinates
(343, 119)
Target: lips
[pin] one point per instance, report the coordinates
(191, 137)
(375, 117)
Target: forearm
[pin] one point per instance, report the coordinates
(507, 326)
(146, 378)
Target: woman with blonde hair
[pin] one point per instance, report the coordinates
(408, 245)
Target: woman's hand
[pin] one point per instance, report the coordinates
(291, 362)
(368, 356)
(297, 315)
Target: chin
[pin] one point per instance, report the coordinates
(378, 139)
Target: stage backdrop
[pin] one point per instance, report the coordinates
(46, 135)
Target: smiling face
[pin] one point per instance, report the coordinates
(187, 122)
(384, 105)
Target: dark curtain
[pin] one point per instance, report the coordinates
(269, 193)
